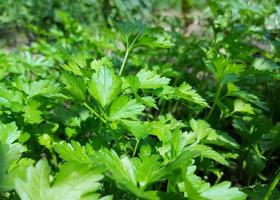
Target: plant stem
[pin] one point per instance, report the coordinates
(272, 185)
(217, 95)
(128, 49)
(135, 148)
(94, 112)
(124, 61)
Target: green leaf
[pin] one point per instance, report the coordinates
(208, 152)
(196, 189)
(148, 170)
(123, 108)
(265, 64)
(31, 113)
(10, 153)
(234, 91)
(75, 86)
(73, 67)
(155, 38)
(185, 91)
(42, 87)
(72, 182)
(73, 152)
(161, 130)
(104, 86)
(206, 134)
(224, 70)
(121, 170)
(9, 133)
(151, 80)
(11, 99)
(241, 107)
(223, 191)
(192, 184)
(149, 102)
(133, 83)
(139, 129)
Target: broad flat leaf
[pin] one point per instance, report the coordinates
(208, 152)
(193, 185)
(75, 181)
(16, 169)
(161, 130)
(178, 142)
(201, 128)
(123, 108)
(133, 82)
(75, 86)
(151, 80)
(103, 62)
(264, 64)
(206, 134)
(42, 87)
(224, 70)
(31, 113)
(150, 102)
(196, 189)
(10, 153)
(185, 91)
(104, 85)
(234, 91)
(73, 152)
(73, 67)
(223, 191)
(241, 107)
(155, 38)
(72, 182)
(121, 170)
(9, 133)
(148, 170)
(11, 99)
(137, 128)
(221, 138)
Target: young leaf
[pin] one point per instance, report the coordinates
(208, 152)
(209, 135)
(151, 80)
(74, 86)
(155, 38)
(241, 107)
(72, 182)
(10, 153)
(73, 152)
(223, 191)
(42, 87)
(121, 170)
(104, 85)
(148, 170)
(185, 91)
(123, 108)
(139, 129)
(224, 70)
(31, 113)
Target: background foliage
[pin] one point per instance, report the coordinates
(139, 99)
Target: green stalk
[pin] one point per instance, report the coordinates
(94, 112)
(217, 95)
(127, 51)
(272, 185)
(135, 148)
